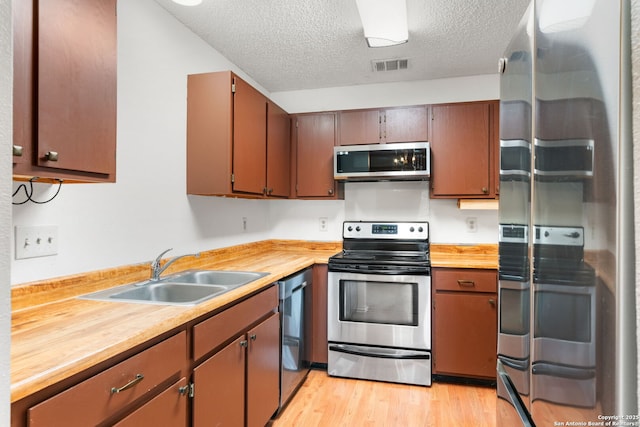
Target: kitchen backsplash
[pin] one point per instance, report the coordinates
(380, 201)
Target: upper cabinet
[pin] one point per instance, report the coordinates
(376, 126)
(314, 137)
(464, 150)
(237, 140)
(278, 151)
(65, 90)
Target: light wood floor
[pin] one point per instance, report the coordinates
(325, 401)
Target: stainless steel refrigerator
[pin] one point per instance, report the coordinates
(566, 319)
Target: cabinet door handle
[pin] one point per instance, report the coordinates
(485, 190)
(253, 337)
(17, 150)
(52, 156)
(466, 283)
(136, 380)
(492, 302)
(244, 343)
(330, 192)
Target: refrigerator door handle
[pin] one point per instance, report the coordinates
(520, 365)
(563, 371)
(514, 398)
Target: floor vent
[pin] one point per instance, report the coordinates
(390, 64)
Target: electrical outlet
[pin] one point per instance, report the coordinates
(472, 224)
(244, 223)
(36, 241)
(323, 223)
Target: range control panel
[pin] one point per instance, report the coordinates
(385, 230)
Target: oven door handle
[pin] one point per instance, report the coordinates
(381, 353)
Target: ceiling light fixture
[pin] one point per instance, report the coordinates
(384, 22)
(188, 2)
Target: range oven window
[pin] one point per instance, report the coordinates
(563, 316)
(379, 302)
(514, 311)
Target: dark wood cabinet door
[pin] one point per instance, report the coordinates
(464, 341)
(494, 138)
(406, 124)
(249, 139)
(278, 151)
(314, 162)
(319, 343)
(460, 150)
(263, 371)
(168, 409)
(359, 127)
(76, 85)
(219, 381)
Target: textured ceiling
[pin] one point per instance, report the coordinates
(305, 44)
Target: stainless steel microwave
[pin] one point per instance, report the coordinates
(381, 162)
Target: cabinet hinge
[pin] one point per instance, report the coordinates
(233, 87)
(187, 390)
(192, 389)
(233, 178)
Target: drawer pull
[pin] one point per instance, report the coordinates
(17, 150)
(492, 302)
(466, 283)
(136, 380)
(51, 156)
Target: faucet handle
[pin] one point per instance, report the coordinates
(159, 258)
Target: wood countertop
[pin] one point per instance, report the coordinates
(464, 256)
(57, 335)
(54, 335)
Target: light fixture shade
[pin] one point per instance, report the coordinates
(384, 21)
(188, 2)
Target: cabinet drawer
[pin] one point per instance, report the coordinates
(467, 280)
(97, 398)
(168, 409)
(213, 332)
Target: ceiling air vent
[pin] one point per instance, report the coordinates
(390, 64)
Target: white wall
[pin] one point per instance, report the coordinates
(147, 211)
(6, 80)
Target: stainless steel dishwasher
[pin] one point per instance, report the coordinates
(294, 357)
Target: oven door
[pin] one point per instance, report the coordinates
(379, 310)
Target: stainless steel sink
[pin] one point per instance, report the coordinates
(189, 287)
(215, 277)
(177, 293)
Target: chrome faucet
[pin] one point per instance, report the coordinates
(156, 269)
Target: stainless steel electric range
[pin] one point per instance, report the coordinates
(379, 303)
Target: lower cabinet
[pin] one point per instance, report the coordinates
(465, 322)
(111, 392)
(168, 409)
(239, 383)
(319, 343)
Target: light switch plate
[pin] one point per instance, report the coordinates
(36, 241)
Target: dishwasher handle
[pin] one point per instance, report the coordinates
(294, 283)
(286, 290)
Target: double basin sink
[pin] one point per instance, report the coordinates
(189, 287)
